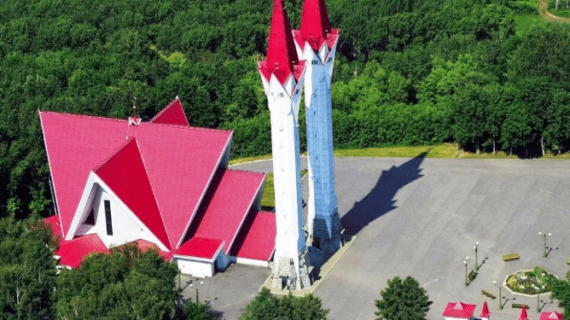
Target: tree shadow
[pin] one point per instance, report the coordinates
(380, 200)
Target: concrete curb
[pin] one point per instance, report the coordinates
(325, 270)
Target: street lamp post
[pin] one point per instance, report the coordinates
(476, 263)
(500, 295)
(192, 285)
(544, 236)
(465, 263)
(466, 276)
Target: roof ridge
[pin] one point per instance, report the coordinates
(85, 116)
(154, 196)
(144, 122)
(114, 153)
(246, 171)
(185, 127)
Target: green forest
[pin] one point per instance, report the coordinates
(408, 72)
(486, 74)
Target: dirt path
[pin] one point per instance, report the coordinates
(546, 15)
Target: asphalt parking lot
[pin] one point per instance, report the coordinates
(421, 217)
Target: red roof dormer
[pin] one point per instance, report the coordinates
(485, 312)
(551, 315)
(315, 26)
(459, 310)
(523, 315)
(282, 59)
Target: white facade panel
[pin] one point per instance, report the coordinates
(197, 268)
(125, 225)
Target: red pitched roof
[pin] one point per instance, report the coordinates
(77, 144)
(282, 59)
(173, 113)
(144, 245)
(226, 204)
(54, 224)
(200, 247)
(315, 26)
(523, 315)
(126, 175)
(459, 310)
(256, 240)
(485, 311)
(74, 251)
(551, 315)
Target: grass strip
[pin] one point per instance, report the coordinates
(268, 198)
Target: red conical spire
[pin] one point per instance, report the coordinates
(523, 315)
(315, 24)
(281, 54)
(485, 312)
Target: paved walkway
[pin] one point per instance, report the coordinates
(422, 217)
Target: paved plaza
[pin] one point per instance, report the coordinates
(421, 217)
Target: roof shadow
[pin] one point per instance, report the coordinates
(380, 200)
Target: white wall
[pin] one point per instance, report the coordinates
(197, 268)
(126, 225)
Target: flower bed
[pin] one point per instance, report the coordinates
(530, 281)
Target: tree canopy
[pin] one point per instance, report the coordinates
(266, 306)
(407, 72)
(403, 300)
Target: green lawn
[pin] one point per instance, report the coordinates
(446, 150)
(268, 199)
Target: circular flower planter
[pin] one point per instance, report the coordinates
(529, 282)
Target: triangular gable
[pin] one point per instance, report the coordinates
(180, 164)
(126, 175)
(173, 113)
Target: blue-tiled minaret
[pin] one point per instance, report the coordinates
(316, 43)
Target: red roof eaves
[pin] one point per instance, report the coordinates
(189, 252)
(50, 173)
(261, 183)
(182, 236)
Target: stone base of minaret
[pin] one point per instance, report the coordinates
(284, 276)
(329, 243)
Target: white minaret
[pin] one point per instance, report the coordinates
(282, 77)
(316, 43)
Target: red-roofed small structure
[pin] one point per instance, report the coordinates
(72, 252)
(523, 315)
(485, 314)
(160, 183)
(551, 315)
(459, 310)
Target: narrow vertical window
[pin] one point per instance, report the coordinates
(108, 217)
(90, 218)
